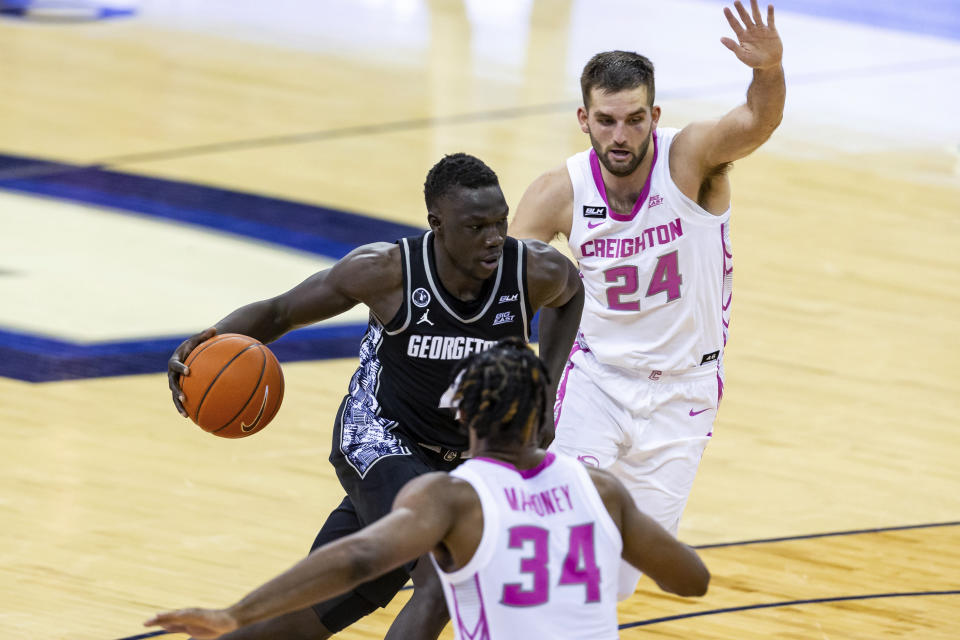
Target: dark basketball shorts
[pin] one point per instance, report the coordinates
(373, 460)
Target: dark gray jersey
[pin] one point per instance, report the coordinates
(405, 366)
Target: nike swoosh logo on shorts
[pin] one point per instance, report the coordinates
(696, 413)
(245, 428)
(590, 225)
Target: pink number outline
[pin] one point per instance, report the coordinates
(587, 573)
(631, 282)
(514, 595)
(579, 566)
(666, 278)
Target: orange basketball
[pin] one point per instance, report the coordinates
(235, 385)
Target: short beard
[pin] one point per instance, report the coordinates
(630, 168)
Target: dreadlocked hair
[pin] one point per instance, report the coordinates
(502, 394)
(456, 170)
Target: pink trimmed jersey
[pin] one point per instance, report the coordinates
(658, 278)
(548, 559)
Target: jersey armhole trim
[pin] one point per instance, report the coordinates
(698, 215)
(491, 524)
(405, 306)
(522, 288)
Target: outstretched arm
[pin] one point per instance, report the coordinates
(708, 145)
(360, 276)
(370, 274)
(421, 517)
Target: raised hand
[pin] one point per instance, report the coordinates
(757, 46)
(202, 624)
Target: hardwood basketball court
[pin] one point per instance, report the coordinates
(841, 403)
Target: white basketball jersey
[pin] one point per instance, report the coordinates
(548, 559)
(657, 280)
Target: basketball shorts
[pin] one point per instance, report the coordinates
(648, 428)
(373, 461)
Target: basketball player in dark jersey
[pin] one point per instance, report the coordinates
(433, 299)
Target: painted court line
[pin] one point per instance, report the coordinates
(832, 534)
(768, 605)
(788, 603)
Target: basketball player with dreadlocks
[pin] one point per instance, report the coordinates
(527, 542)
(433, 299)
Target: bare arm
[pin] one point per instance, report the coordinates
(675, 567)
(360, 276)
(706, 145)
(545, 210)
(370, 274)
(423, 513)
(556, 289)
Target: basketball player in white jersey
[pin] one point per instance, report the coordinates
(646, 214)
(527, 542)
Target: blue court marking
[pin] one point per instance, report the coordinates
(35, 359)
(321, 230)
(788, 603)
(62, 10)
(328, 232)
(928, 17)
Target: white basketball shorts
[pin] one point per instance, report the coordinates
(648, 428)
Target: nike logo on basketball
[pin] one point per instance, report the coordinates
(424, 318)
(248, 428)
(592, 225)
(696, 413)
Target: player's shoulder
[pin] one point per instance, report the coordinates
(380, 257)
(374, 266)
(553, 187)
(551, 278)
(544, 262)
(544, 210)
(611, 490)
(602, 478)
(386, 253)
(539, 250)
(688, 142)
(442, 486)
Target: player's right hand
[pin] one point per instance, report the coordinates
(176, 368)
